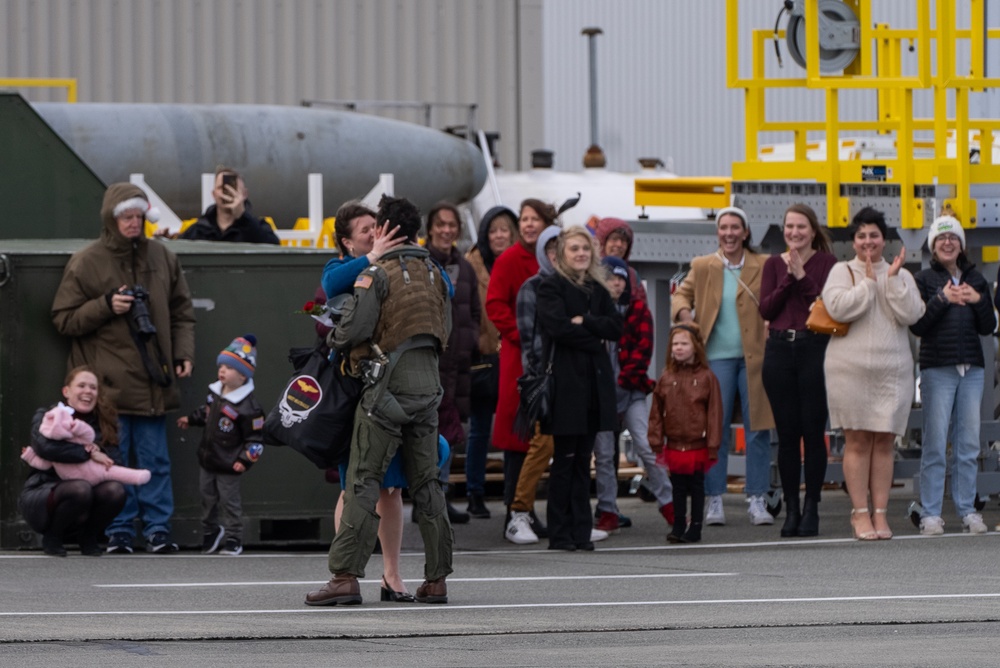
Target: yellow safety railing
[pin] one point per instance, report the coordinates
(33, 82)
(882, 45)
(879, 67)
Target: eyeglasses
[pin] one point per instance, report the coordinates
(953, 238)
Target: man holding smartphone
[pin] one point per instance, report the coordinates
(230, 219)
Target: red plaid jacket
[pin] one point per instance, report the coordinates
(635, 348)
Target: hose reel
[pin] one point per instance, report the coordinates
(839, 34)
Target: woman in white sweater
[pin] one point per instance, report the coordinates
(869, 372)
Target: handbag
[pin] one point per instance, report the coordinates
(314, 414)
(485, 380)
(535, 405)
(819, 319)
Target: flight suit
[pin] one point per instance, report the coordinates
(401, 305)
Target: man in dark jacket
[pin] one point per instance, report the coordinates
(230, 219)
(124, 301)
(395, 327)
(456, 361)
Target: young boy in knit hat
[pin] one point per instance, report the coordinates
(230, 444)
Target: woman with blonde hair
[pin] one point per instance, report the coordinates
(577, 314)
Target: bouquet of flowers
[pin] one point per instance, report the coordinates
(319, 311)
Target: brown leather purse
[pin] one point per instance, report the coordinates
(819, 319)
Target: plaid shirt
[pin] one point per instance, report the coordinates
(532, 343)
(635, 348)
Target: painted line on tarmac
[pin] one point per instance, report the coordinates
(344, 609)
(297, 583)
(602, 547)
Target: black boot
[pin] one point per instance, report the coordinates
(693, 533)
(676, 534)
(477, 507)
(456, 516)
(52, 545)
(792, 516)
(809, 526)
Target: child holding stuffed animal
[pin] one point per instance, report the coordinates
(64, 509)
(685, 426)
(231, 443)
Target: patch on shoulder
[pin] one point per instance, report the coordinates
(363, 281)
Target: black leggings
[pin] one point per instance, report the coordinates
(794, 382)
(77, 507)
(688, 485)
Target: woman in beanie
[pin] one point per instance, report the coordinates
(869, 372)
(958, 312)
(721, 294)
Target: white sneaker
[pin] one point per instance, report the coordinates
(758, 511)
(597, 535)
(973, 523)
(519, 529)
(934, 525)
(714, 514)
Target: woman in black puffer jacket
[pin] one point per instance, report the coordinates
(958, 312)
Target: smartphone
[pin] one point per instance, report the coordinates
(228, 180)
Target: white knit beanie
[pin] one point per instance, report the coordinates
(943, 225)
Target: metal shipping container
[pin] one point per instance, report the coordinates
(238, 288)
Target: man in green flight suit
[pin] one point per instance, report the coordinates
(395, 327)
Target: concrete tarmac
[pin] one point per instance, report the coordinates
(742, 597)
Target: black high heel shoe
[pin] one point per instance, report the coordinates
(388, 594)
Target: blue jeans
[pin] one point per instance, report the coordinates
(143, 444)
(732, 375)
(949, 398)
(477, 446)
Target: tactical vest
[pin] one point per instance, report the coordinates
(414, 304)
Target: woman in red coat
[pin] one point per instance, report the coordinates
(510, 271)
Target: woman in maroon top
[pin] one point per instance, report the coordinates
(793, 363)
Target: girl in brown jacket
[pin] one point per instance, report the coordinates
(685, 426)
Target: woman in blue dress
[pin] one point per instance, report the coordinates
(361, 244)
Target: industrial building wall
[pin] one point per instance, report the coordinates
(662, 80)
(281, 52)
(661, 72)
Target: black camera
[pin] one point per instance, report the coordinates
(140, 310)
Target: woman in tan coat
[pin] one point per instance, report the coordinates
(722, 294)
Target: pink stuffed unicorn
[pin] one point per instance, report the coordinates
(60, 425)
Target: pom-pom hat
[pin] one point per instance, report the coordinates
(241, 355)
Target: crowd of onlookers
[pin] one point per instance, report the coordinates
(532, 299)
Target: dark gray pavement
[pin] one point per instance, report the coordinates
(743, 597)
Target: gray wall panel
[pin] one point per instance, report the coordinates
(274, 52)
(661, 64)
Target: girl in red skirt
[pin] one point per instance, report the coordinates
(685, 426)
